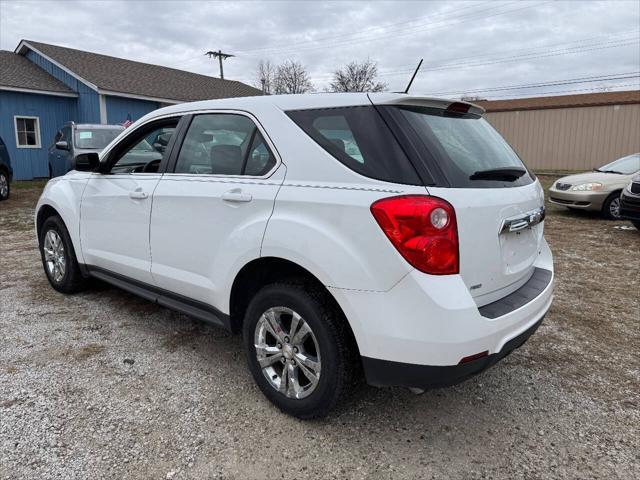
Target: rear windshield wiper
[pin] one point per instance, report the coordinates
(507, 174)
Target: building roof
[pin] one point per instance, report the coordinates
(562, 101)
(18, 73)
(117, 75)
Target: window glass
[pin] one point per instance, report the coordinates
(463, 145)
(142, 156)
(625, 165)
(358, 138)
(259, 160)
(223, 144)
(94, 138)
(27, 132)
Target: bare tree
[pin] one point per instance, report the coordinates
(357, 77)
(292, 77)
(265, 76)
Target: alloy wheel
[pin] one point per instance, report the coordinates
(4, 185)
(614, 208)
(288, 353)
(54, 255)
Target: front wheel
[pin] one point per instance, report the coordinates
(59, 257)
(5, 188)
(298, 349)
(611, 206)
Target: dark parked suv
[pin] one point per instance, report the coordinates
(6, 172)
(630, 202)
(73, 139)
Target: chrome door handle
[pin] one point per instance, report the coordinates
(138, 194)
(236, 195)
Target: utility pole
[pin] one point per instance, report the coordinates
(220, 56)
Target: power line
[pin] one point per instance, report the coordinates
(569, 91)
(560, 52)
(551, 83)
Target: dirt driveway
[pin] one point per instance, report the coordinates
(105, 385)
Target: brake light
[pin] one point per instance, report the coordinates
(423, 229)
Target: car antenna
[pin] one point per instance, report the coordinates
(414, 76)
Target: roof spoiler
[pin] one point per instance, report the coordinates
(457, 106)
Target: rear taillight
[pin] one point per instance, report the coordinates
(423, 229)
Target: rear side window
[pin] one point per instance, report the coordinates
(224, 144)
(358, 138)
(464, 146)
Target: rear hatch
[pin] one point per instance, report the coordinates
(499, 204)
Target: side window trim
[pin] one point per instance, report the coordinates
(248, 152)
(188, 118)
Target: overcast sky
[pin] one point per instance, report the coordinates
(468, 46)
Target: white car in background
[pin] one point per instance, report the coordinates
(393, 232)
(599, 190)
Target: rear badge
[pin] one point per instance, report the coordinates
(475, 287)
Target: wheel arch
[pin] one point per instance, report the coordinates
(264, 271)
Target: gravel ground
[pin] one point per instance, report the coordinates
(106, 385)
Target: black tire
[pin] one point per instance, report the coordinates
(636, 223)
(337, 353)
(608, 207)
(4, 180)
(50, 172)
(72, 280)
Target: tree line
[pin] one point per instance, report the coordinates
(292, 76)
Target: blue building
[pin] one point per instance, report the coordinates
(43, 86)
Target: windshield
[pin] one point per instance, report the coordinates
(95, 138)
(625, 165)
(467, 148)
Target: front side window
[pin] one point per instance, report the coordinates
(27, 132)
(94, 138)
(359, 139)
(224, 144)
(140, 156)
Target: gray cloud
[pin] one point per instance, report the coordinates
(467, 45)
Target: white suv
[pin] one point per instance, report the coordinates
(396, 234)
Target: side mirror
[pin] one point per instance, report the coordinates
(87, 162)
(62, 145)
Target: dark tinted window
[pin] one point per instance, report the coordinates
(359, 138)
(463, 145)
(224, 144)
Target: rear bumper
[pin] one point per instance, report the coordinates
(382, 373)
(427, 324)
(583, 200)
(630, 206)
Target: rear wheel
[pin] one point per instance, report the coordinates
(59, 258)
(611, 206)
(298, 349)
(5, 188)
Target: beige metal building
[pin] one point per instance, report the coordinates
(569, 132)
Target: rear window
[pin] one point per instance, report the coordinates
(358, 138)
(464, 145)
